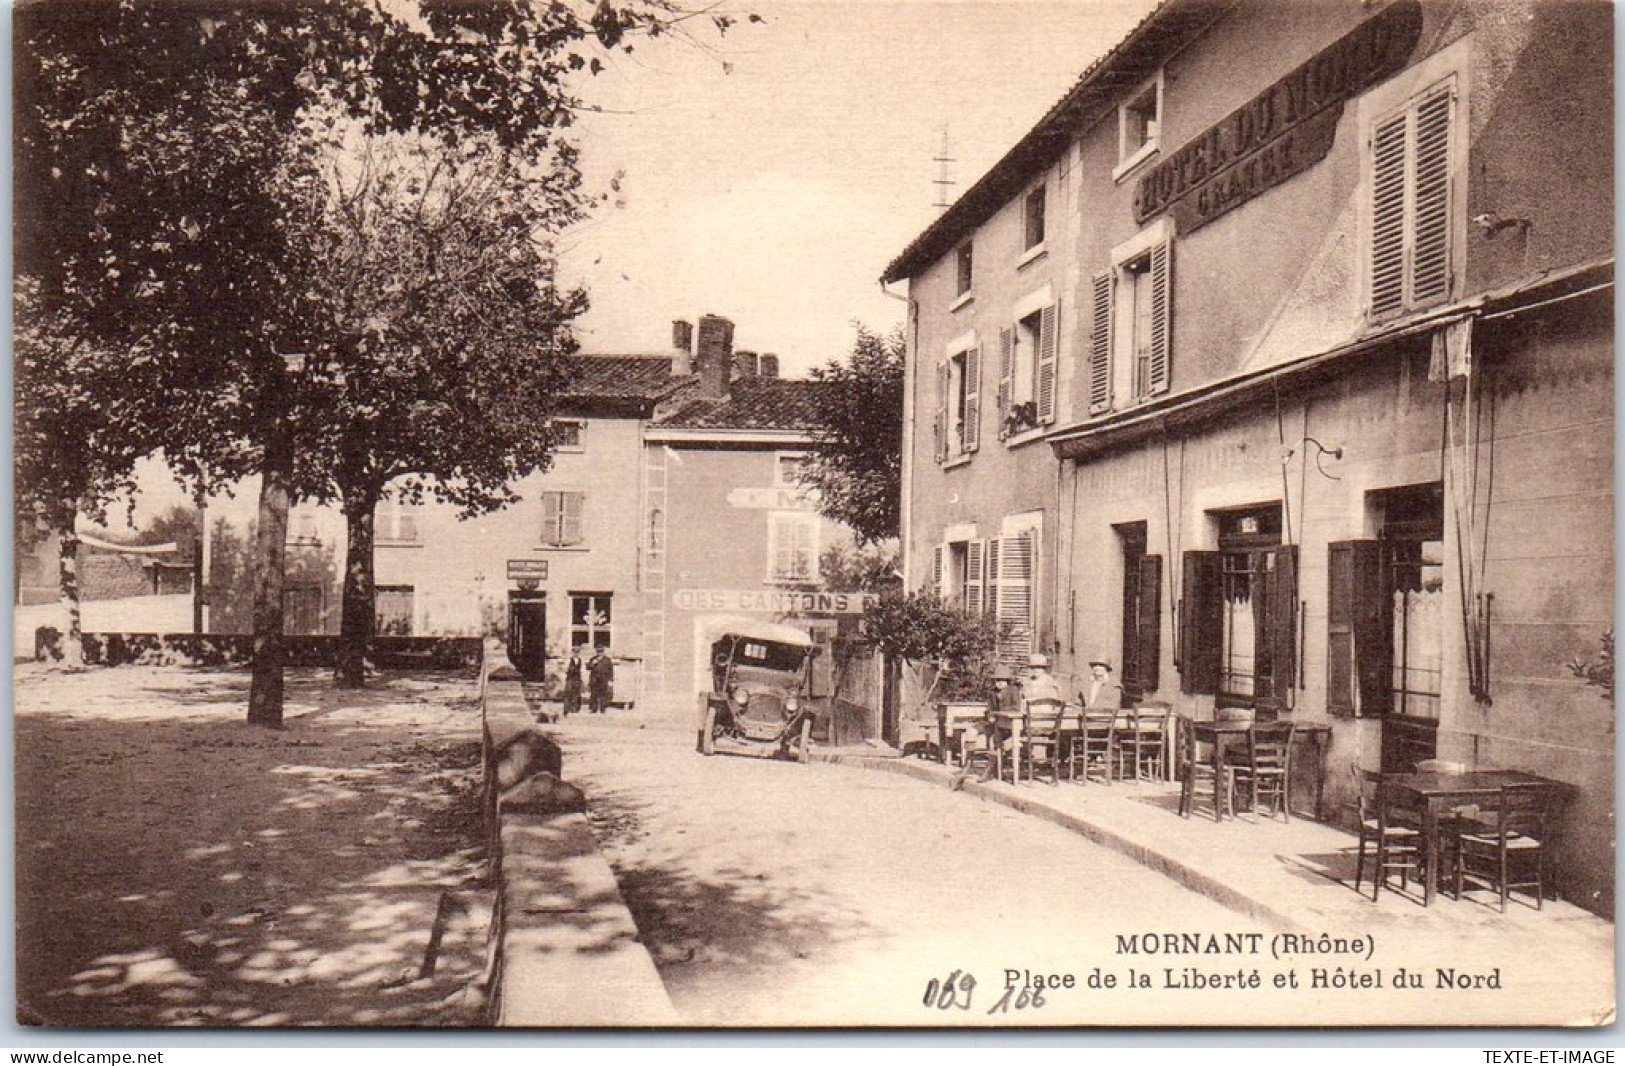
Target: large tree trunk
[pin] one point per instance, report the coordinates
(270, 558)
(357, 618)
(73, 645)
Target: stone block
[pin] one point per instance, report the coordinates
(541, 793)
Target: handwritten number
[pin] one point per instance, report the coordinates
(953, 992)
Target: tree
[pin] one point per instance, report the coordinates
(157, 191)
(858, 466)
(439, 348)
(76, 437)
(920, 629)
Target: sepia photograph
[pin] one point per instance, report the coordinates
(939, 515)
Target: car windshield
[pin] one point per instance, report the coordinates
(767, 656)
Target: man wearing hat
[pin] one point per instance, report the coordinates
(1040, 684)
(1102, 693)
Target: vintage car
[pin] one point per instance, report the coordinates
(759, 684)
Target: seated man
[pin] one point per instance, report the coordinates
(1102, 693)
(1040, 684)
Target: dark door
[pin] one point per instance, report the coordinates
(527, 636)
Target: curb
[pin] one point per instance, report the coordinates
(1180, 872)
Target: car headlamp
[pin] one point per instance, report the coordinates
(793, 704)
(741, 696)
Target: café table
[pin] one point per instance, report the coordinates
(1435, 793)
(1220, 735)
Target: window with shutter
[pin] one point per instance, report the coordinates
(971, 401)
(1016, 582)
(1007, 377)
(1356, 649)
(1201, 621)
(975, 576)
(1100, 343)
(793, 547)
(395, 521)
(1046, 365)
(563, 519)
(1411, 208)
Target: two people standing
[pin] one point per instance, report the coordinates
(600, 681)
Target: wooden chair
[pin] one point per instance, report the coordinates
(1194, 772)
(978, 753)
(1265, 766)
(1041, 738)
(1150, 722)
(1508, 852)
(1394, 833)
(1095, 748)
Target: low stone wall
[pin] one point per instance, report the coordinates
(223, 649)
(565, 951)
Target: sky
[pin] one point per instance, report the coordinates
(769, 175)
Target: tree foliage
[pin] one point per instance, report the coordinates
(858, 466)
(919, 628)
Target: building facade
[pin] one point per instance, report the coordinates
(1331, 426)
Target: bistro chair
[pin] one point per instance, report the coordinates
(1506, 852)
(1393, 832)
(1195, 771)
(1095, 747)
(1150, 722)
(1265, 766)
(979, 753)
(1041, 738)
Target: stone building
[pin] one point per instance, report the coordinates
(1274, 365)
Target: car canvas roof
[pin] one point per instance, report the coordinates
(757, 629)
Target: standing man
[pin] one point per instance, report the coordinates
(600, 680)
(1103, 692)
(572, 683)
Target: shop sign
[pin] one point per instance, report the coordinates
(774, 601)
(527, 569)
(780, 498)
(1282, 131)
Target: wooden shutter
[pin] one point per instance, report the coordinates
(1100, 343)
(1046, 365)
(1282, 604)
(1017, 557)
(1357, 650)
(1201, 621)
(552, 504)
(1388, 217)
(990, 574)
(975, 576)
(937, 555)
(1430, 250)
(1148, 623)
(1007, 373)
(574, 513)
(1161, 315)
(972, 429)
(939, 425)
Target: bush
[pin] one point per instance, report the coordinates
(920, 629)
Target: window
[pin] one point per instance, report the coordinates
(1130, 324)
(1012, 584)
(959, 408)
(1238, 614)
(396, 521)
(962, 269)
(1033, 218)
(591, 615)
(1142, 617)
(568, 434)
(302, 609)
(562, 519)
(1027, 370)
(392, 610)
(790, 469)
(302, 526)
(793, 547)
(1385, 611)
(1411, 163)
(1139, 126)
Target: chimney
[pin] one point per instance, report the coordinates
(744, 364)
(713, 355)
(682, 347)
(767, 365)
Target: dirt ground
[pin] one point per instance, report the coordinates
(176, 866)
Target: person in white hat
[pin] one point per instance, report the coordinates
(1103, 693)
(1040, 684)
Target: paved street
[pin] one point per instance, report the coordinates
(774, 893)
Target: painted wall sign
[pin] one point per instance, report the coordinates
(1282, 131)
(776, 601)
(773, 499)
(531, 569)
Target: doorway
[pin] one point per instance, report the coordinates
(527, 634)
